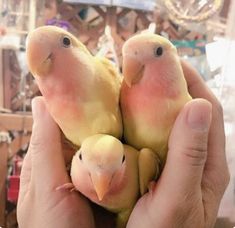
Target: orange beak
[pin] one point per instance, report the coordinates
(101, 182)
(132, 70)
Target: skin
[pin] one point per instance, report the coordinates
(187, 194)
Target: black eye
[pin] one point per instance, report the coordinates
(66, 41)
(80, 156)
(123, 158)
(158, 51)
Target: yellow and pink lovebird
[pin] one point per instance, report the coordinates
(106, 172)
(81, 91)
(153, 92)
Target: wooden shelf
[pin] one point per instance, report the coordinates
(18, 122)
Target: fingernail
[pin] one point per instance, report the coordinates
(199, 115)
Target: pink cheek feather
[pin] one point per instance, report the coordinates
(62, 87)
(150, 94)
(161, 78)
(59, 102)
(139, 98)
(64, 76)
(82, 182)
(119, 181)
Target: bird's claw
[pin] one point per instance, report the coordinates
(66, 186)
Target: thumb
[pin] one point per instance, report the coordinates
(188, 141)
(45, 149)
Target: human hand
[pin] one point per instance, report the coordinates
(44, 169)
(195, 175)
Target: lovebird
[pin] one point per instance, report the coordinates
(81, 91)
(106, 172)
(153, 92)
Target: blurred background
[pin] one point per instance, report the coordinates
(202, 30)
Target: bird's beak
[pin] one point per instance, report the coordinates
(45, 67)
(101, 182)
(39, 54)
(132, 70)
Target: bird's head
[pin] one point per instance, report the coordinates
(48, 48)
(103, 158)
(140, 50)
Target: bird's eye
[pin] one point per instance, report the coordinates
(123, 158)
(158, 51)
(80, 156)
(66, 41)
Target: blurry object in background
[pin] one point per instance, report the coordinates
(52, 17)
(14, 179)
(15, 131)
(17, 86)
(106, 47)
(199, 62)
(194, 52)
(60, 23)
(10, 76)
(10, 41)
(151, 28)
(176, 32)
(146, 5)
(215, 62)
(224, 223)
(197, 15)
(124, 22)
(214, 59)
(3, 30)
(19, 16)
(190, 47)
(90, 2)
(231, 22)
(184, 11)
(50, 11)
(227, 98)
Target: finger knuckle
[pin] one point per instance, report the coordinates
(196, 156)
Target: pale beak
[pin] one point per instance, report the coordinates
(101, 182)
(132, 70)
(39, 54)
(45, 67)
